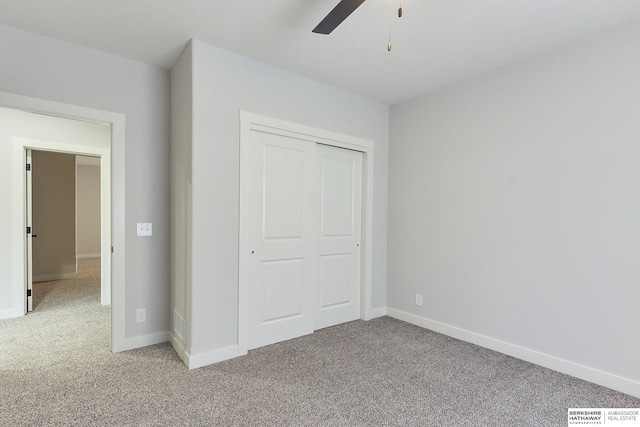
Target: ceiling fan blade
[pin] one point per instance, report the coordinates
(337, 15)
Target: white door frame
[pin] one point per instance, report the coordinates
(29, 236)
(112, 162)
(252, 122)
(20, 147)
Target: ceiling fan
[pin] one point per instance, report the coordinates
(337, 15)
(342, 12)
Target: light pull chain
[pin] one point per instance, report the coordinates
(389, 45)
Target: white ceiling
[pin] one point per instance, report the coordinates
(435, 43)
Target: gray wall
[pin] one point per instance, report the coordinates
(514, 204)
(44, 68)
(88, 211)
(54, 215)
(181, 183)
(223, 84)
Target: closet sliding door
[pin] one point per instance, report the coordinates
(282, 213)
(340, 204)
(300, 236)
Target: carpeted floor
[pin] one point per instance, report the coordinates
(56, 369)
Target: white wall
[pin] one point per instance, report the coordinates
(53, 177)
(223, 84)
(515, 204)
(43, 68)
(88, 210)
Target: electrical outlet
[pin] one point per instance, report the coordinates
(141, 315)
(419, 300)
(144, 229)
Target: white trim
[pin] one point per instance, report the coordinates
(118, 249)
(83, 256)
(7, 314)
(20, 145)
(52, 277)
(112, 182)
(253, 122)
(146, 340)
(210, 357)
(377, 312)
(306, 133)
(568, 367)
(59, 109)
(178, 346)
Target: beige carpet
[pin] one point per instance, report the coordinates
(67, 321)
(56, 369)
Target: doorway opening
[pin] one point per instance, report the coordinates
(63, 195)
(48, 209)
(112, 191)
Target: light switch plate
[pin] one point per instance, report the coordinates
(145, 229)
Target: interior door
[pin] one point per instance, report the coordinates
(282, 217)
(29, 234)
(339, 174)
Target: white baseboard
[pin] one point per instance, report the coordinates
(211, 357)
(573, 369)
(7, 313)
(376, 312)
(82, 256)
(145, 340)
(202, 359)
(51, 277)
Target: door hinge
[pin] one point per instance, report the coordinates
(28, 230)
(28, 292)
(28, 167)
